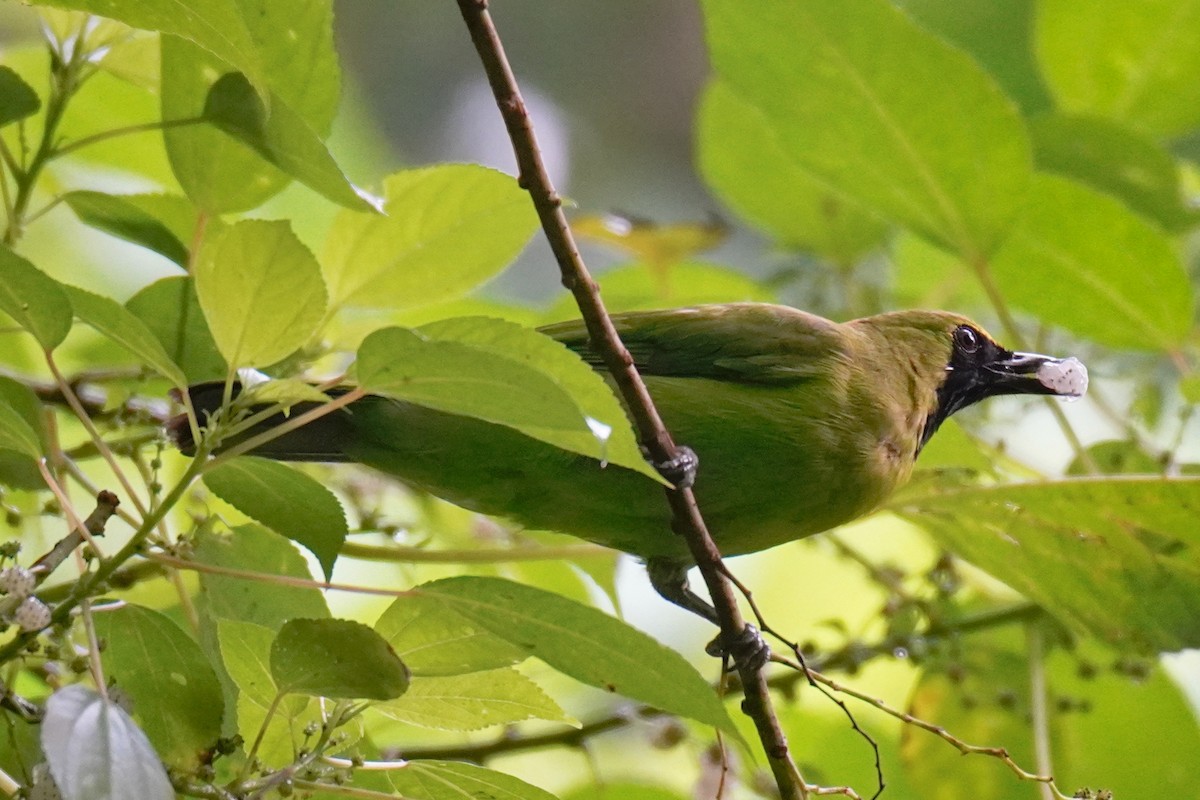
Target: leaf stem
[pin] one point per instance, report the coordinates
(143, 127)
(1039, 711)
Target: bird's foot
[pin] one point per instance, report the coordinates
(748, 650)
(680, 470)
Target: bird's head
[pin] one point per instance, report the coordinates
(956, 360)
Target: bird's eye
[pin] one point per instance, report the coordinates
(966, 339)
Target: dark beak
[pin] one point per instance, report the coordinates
(1029, 373)
(994, 371)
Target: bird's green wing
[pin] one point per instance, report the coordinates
(742, 342)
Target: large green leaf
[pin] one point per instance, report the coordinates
(998, 34)
(1091, 692)
(280, 136)
(471, 702)
(123, 327)
(445, 230)
(246, 654)
(584, 643)
(435, 640)
(34, 300)
(1082, 260)
(261, 291)
(253, 548)
(882, 110)
(1114, 159)
(174, 690)
(1135, 62)
(285, 500)
(742, 158)
(301, 70)
(464, 379)
(96, 752)
(454, 780)
(590, 393)
(336, 658)
(1115, 556)
(158, 222)
(170, 309)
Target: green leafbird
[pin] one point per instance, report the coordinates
(800, 424)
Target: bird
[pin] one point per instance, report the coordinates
(799, 423)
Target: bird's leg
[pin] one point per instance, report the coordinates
(669, 578)
(680, 470)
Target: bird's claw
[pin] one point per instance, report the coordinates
(748, 650)
(680, 471)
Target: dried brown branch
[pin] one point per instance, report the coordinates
(106, 506)
(654, 436)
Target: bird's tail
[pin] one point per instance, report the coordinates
(323, 439)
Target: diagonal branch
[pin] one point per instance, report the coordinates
(687, 520)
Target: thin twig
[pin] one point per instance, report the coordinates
(106, 506)
(102, 446)
(686, 518)
(966, 749)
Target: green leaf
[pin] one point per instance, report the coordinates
(1132, 62)
(336, 658)
(434, 640)
(881, 110)
(246, 653)
(96, 751)
(123, 327)
(261, 291)
(174, 690)
(926, 276)
(252, 548)
(465, 379)
(589, 391)
(454, 780)
(22, 428)
(1151, 766)
(445, 230)
(1082, 260)
(1115, 458)
(170, 309)
(743, 160)
(1116, 160)
(16, 434)
(285, 500)
(137, 219)
(34, 300)
(1115, 556)
(998, 34)
(971, 708)
(282, 137)
(18, 100)
(215, 25)
(301, 67)
(1091, 692)
(585, 644)
(625, 790)
(286, 391)
(472, 702)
